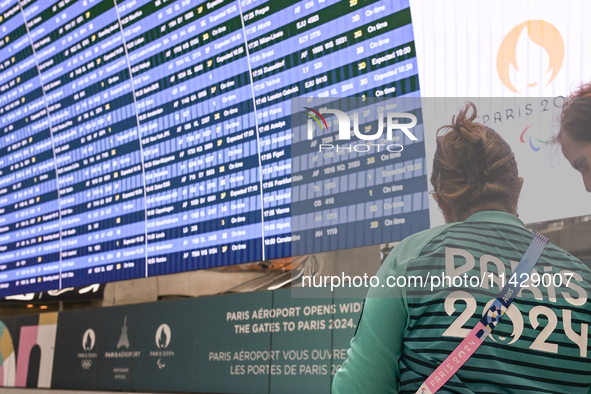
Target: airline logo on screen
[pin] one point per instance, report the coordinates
(344, 123)
(540, 32)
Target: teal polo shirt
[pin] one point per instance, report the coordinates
(406, 332)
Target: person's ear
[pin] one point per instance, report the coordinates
(520, 179)
(444, 207)
(519, 187)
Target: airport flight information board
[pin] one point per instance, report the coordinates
(146, 137)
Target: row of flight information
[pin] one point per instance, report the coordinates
(147, 137)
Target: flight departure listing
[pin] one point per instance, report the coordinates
(147, 137)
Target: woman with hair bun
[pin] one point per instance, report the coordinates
(407, 331)
(575, 132)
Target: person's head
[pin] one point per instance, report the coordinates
(575, 132)
(474, 169)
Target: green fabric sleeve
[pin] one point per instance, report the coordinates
(372, 360)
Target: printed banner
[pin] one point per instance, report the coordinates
(165, 338)
(116, 348)
(76, 350)
(263, 342)
(232, 354)
(529, 53)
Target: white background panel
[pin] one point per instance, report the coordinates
(458, 46)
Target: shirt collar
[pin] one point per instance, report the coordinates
(496, 217)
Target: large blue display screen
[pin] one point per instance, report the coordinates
(141, 138)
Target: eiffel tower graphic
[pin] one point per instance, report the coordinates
(123, 340)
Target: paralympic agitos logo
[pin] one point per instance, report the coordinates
(345, 130)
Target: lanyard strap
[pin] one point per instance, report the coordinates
(489, 321)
